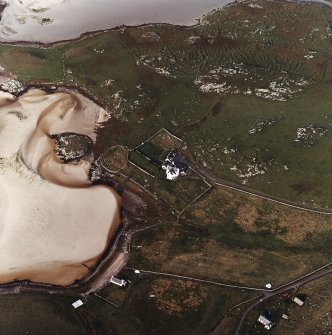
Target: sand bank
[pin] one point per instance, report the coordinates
(53, 222)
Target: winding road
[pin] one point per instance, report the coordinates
(323, 271)
(266, 294)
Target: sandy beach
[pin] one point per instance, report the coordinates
(54, 223)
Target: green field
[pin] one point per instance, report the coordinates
(39, 314)
(144, 163)
(158, 305)
(232, 238)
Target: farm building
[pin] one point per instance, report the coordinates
(285, 316)
(175, 166)
(77, 303)
(298, 301)
(268, 324)
(119, 282)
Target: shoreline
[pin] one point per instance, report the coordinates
(102, 271)
(102, 262)
(113, 256)
(47, 45)
(94, 17)
(119, 28)
(92, 33)
(95, 279)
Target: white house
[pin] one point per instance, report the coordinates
(268, 324)
(119, 282)
(298, 301)
(77, 303)
(175, 166)
(172, 172)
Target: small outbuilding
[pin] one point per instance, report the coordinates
(77, 303)
(298, 301)
(119, 282)
(268, 324)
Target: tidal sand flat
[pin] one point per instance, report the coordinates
(53, 223)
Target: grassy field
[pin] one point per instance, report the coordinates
(157, 305)
(238, 239)
(271, 159)
(38, 314)
(142, 162)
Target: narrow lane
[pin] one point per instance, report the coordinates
(265, 293)
(327, 269)
(230, 185)
(248, 288)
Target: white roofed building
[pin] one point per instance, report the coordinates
(172, 172)
(174, 166)
(119, 282)
(268, 324)
(298, 301)
(77, 303)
